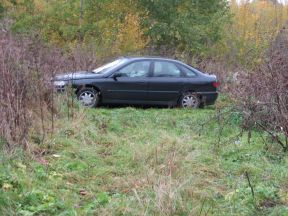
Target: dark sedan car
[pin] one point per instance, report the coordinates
(142, 81)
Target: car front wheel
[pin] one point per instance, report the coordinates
(189, 100)
(88, 97)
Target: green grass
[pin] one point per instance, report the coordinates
(131, 161)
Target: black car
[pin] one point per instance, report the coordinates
(142, 81)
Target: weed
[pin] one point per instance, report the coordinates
(129, 161)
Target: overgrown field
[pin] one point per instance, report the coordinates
(156, 161)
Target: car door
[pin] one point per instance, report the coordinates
(130, 84)
(166, 82)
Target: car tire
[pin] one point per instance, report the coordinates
(88, 97)
(190, 100)
(202, 105)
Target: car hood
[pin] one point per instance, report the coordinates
(77, 75)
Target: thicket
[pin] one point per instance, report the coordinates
(24, 93)
(192, 30)
(115, 27)
(28, 104)
(262, 95)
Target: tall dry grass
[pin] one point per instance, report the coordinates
(27, 97)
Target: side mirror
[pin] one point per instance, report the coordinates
(116, 75)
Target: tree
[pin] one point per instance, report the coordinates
(255, 24)
(104, 25)
(2, 9)
(185, 25)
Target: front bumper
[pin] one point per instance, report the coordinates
(60, 85)
(60, 88)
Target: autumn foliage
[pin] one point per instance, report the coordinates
(254, 26)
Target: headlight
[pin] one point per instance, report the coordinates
(59, 83)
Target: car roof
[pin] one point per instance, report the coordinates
(150, 58)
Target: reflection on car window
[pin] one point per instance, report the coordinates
(105, 67)
(188, 72)
(166, 69)
(136, 69)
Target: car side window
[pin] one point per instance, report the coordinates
(166, 69)
(136, 69)
(188, 72)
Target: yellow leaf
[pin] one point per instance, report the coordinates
(7, 186)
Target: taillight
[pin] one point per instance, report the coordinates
(216, 84)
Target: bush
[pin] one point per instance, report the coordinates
(26, 94)
(263, 94)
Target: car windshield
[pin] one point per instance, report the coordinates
(106, 67)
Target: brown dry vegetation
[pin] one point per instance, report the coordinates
(262, 94)
(27, 66)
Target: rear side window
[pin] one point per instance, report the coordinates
(166, 69)
(188, 72)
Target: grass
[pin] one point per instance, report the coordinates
(132, 161)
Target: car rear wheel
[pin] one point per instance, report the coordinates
(189, 100)
(88, 97)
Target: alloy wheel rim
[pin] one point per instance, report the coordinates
(190, 101)
(87, 98)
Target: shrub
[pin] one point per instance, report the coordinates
(26, 94)
(263, 94)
